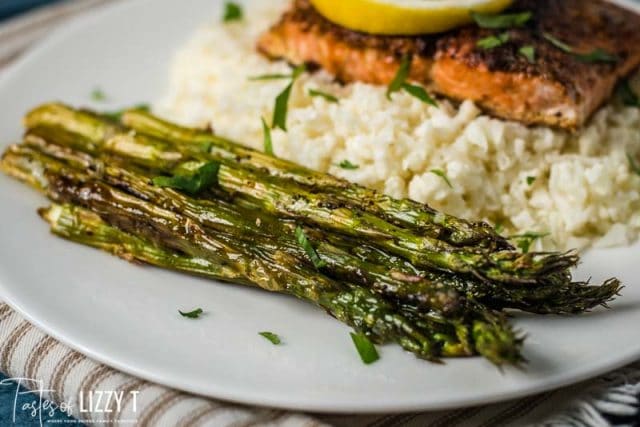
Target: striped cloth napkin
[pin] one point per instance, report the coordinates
(66, 377)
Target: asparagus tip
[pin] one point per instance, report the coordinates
(499, 343)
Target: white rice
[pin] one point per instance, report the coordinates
(584, 193)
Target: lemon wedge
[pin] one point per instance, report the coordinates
(405, 17)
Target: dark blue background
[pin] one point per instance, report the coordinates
(13, 7)
(24, 418)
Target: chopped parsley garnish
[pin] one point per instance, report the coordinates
(232, 12)
(558, 43)
(268, 142)
(441, 174)
(400, 77)
(494, 41)
(98, 95)
(194, 314)
(507, 20)
(308, 248)
(280, 110)
(298, 71)
(276, 76)
(399, 82)
(635, 167)
(524, 241)
(201, 179)
(531, 180)
(327, 96)
(205, 147)
(528, 52)
(346, 164)
(419, 92)
(275, 339)
(626, 94)
(282, 101)
(596, 55)
(365, 347)
(117, 115)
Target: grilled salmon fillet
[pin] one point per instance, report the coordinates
(557, 89)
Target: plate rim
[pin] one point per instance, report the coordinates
(83, 21)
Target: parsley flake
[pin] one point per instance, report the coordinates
(400, 77)
(531, 180)
(275, 339)
(298, 71)
(529, 52)
(558, 43)
(346, 164)
(201, 179)
(308, 248)
(441, 174)
(98, 95)
(117, 115)
(194, 314)
(276, 76)
(506, 20)
(268, 142)
(365, 347)
(327, 96)
(282, 101)
(596, 55)
(280, 110)
(232, 12)
(494, 41)
(399, 82)
(419, 92)
(524, 241)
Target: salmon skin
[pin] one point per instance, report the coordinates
(558, 88)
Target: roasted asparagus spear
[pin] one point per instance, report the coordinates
(406, 213)
(394, 270)
(266, 266)
(279, 197)
(385, 274)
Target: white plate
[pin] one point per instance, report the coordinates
(126, 316)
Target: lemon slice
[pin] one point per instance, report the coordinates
(405, 17)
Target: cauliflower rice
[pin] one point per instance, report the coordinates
(579, 188)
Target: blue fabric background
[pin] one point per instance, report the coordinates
(13, 7)
(23, 417)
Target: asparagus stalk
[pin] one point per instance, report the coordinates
(560, 295)
(395, 262)
(263, 266)
(88, 228)
(356, 306)
(408, 213)
(85, 227)
(353, 305)
(279, 197)
(435, 294)
(387, 275)
(268, 267)
(405, 213)
(391, 277)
